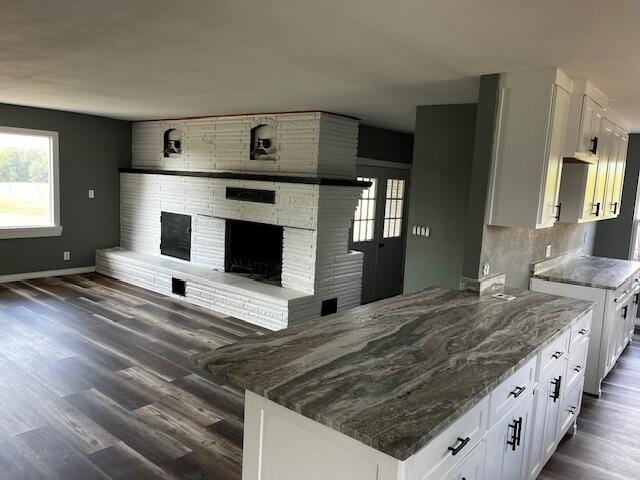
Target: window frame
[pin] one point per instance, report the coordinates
(35, 231)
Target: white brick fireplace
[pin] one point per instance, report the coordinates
(305, 185)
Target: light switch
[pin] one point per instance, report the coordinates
(66, 256)
(547, 250)
(92, 194)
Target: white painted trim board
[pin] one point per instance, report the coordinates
(16, 277)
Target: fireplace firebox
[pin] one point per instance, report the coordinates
(175, 235)
(254, 249)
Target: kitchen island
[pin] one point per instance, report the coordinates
(614, 286)
(425, 385)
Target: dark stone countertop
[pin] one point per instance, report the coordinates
(395, 373)
(596, 272)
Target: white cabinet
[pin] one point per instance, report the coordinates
(570, 409)
(507, 443)
(588, 105)
(616, 169)
(472, 467)
(529, 143)
(577, 192)
(544, 434)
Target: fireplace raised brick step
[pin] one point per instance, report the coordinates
(259, 303)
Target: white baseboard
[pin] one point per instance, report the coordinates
(16, 277)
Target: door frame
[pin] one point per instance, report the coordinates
(383, 164)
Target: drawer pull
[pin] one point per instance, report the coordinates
(556, 382)
(456, 450)
(572, 410)
(584, 331)
(557, 355)
(516, 392)
(578, 368)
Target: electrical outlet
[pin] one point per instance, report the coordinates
(66, 256)
(486, 268)
(92, 193)
(547, 250)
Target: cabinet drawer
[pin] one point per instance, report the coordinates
(450, 447)
(577, 362)
(509, 392)
(570, 408)
(553, 354)
(471, 468)
(581, 330)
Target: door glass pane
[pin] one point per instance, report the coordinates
(364, 219)
(394, 202)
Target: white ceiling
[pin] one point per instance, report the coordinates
(375, 59)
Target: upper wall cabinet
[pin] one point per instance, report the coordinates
(583, 139)
(529, 144)
(593, 191)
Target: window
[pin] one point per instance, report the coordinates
(29, 185)
(394, 200)
(364, 219)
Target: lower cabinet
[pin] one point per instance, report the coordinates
(548, 398)
(472, 467)
(507, 443)
(570, 408)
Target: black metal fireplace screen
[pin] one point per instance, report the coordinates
(255, 250)
(175, 235)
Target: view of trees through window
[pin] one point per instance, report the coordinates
(25, 193)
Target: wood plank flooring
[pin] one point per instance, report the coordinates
(95, 383)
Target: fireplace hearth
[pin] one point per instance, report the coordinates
(255, 250)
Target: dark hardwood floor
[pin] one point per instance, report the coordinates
(95, 383)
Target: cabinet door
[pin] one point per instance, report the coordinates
(472, 467)
(507, 444)
(570, 409)
(612, 171)
(588, 210)
(549, 211)
(590, 126)
(604, 145)
(618, 178)
(544, 427)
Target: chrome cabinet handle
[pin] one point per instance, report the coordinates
(516, 392)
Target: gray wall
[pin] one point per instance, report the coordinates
(480, 170)
(91, 151)
(440, 177)
(613, 238)
(382, 144)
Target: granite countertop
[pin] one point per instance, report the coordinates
(395, 373)
(597, 272)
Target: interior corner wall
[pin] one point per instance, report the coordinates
(382, 144)
(91, 150)
(440, 176)
(613, 237)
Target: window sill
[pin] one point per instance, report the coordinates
(30, 232)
